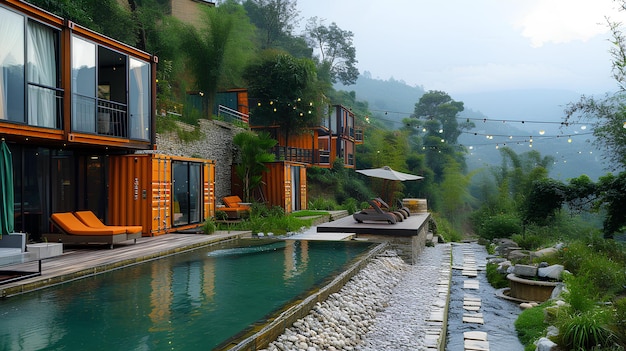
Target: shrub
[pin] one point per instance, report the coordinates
(528, 241)
(209, 226)
(530, 326)
(495, 278)
(350, 205)
(620, 319)
(501, 226)
(586, 330)
(221, 215)
(322, 203)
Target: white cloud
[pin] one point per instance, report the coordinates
(563, 21)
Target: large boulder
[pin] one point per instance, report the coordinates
(502, 246)
(550, 251)
(523, 270)
(551, 272)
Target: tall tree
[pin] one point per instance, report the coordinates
(275, 19)
(437, 114)
(337, 55)
(284, 89)
(227, 34)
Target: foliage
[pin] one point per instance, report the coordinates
(285, 93)
(495, 278)
(444, 228)
(586, 331)
(309, 213)
(337, 57)
(275, 19)
(226, 29)
(268, 220)
(501, 225)
(437, 114)
(528, 241)
(456, 198)
(322, 203)
(545, 198)
(612, 196)
(253, 152)
(530, 326)
(209, 226)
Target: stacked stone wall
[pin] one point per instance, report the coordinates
(216, 144)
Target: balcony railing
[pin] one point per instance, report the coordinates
(112, 118)
(45, 106)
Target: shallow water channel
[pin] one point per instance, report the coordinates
(191, 301)
(499, 315)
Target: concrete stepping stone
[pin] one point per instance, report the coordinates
(475, 335)
(471, 298)
(471, 308)
(471, 284)
(468, 302)
(473, 318)
(475, 345)
(469, 273)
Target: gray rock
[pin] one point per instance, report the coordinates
(551, 272)
(545, 344)
(517, 255)
(523, 270)
(550, 251)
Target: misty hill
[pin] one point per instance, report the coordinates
(502, 113)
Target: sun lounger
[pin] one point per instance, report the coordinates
(234, 207)
(91, 220)
(74, 231)
(375, 214)
(400, 213)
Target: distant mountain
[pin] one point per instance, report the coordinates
(498, 114)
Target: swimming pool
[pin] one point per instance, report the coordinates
(196, 300)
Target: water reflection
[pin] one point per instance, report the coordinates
(185, 302)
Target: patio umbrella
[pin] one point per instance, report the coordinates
(6, 190)
(386, 173)
(389, 174)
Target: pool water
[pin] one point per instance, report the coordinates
(189, 301)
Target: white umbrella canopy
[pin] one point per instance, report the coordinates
(387, 173)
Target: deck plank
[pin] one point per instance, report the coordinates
(85, 260)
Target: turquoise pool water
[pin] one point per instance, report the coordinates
(190, 301)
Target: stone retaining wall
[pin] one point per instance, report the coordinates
(217, 144)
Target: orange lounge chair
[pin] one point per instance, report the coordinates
(91, 220)
(74, 231)
(233, 207)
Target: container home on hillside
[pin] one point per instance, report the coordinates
(72, 100)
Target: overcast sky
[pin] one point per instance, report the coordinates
(464, 46)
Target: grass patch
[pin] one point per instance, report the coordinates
(530, 326)
(309, 213)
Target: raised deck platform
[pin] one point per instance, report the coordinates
(408, 236)
(408, 227)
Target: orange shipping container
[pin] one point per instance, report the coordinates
(142, 192)
(285, 185)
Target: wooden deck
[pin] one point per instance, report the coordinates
(80, 261)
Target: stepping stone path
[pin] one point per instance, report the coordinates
(435, 336)
(473, 340)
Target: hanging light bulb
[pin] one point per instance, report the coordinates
(569, 139)
(542, 132)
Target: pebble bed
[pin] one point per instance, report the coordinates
(383, 307)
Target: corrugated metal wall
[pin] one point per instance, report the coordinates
(140, 191)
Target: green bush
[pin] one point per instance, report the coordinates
(350, 205)
(209, 226)
(322, 203)
(586, 330)
(501, 226)
(620, 319)
(528, 241)
(495, 278)
(530, 326)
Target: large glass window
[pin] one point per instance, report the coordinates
(43, 105)
(11, 66)
(140, 99)
(187, 184)
(83, 85)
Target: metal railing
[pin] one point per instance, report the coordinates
(112, 118)
(230, 115)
